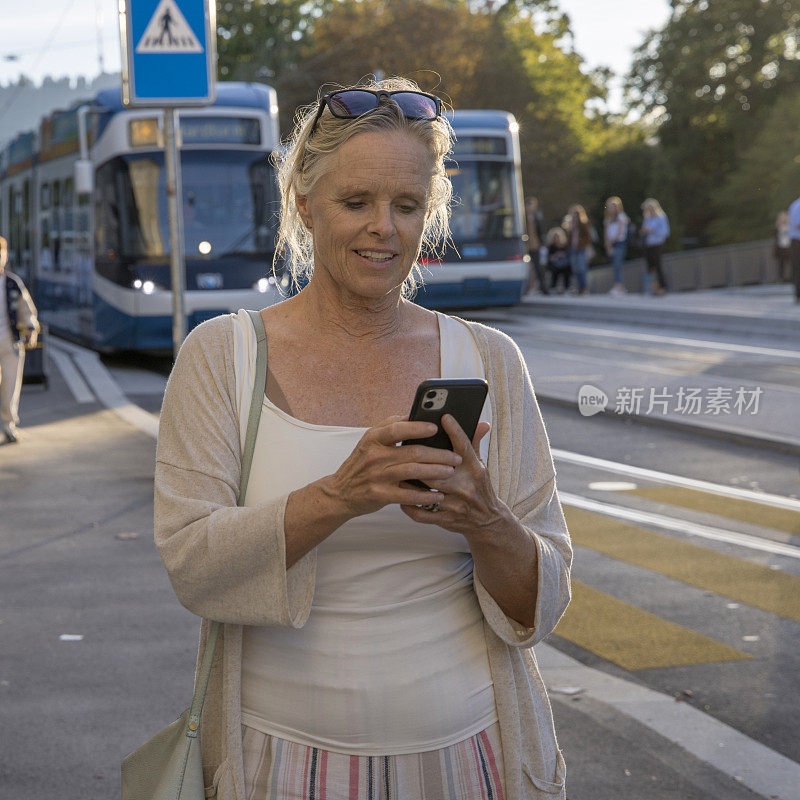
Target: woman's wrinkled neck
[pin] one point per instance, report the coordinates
(336, 313)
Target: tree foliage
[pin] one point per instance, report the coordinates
(767, 179)
(507, 57)
(710, 79)
(259, 39)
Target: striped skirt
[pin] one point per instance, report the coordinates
(277, 769)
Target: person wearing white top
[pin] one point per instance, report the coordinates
(387, 675)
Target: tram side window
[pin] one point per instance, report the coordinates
(68, 198)
(26, 214)
(45, 251)
(45, 243)
(56, 226)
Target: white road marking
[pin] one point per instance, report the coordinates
(612, 486)
(681, 526)
(76, 384)
(71, 637)
(699, 343)
(758, 767)
(107, 390)
(774, 500)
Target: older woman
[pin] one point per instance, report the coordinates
(376, 635)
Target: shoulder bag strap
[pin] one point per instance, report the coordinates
(259, 387)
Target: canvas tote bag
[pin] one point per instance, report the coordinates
(169, 766)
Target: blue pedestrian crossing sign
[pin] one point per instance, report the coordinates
(168, 52)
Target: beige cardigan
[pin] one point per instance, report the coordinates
(228, 563)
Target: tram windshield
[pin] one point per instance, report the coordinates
(484, 207)
(229, 202)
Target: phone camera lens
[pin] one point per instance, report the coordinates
(431, 394)
(428, 404)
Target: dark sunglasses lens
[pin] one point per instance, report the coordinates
(352, 103)
(416, 106)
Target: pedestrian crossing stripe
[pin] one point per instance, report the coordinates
(635, 639)
(168, 32)
(763, 515)
(756, 585)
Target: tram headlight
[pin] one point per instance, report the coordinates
(145, 287)
(204, 248)
(262, 284)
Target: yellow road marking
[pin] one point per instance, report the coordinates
(632, 638)
(761, 587)
(781, 519)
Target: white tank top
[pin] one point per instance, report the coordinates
(393, 657)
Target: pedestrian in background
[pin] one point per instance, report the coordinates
(558, 259)
(18, 330)
(783, 247)
(579, 234)
(655, 231)
(615, 229)
(368, 622)
(794, 236)
(534, 224)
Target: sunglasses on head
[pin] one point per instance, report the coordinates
(352, 103)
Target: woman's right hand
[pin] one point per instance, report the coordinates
(371, 476)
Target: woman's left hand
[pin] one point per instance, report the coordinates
(470, 506)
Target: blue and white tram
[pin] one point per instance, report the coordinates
(95, 250)
(489, 264)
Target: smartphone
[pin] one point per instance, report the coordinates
(462, 399)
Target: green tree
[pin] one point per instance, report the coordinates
(258, 40)
(710, 77)
(629, 164)
(474, 56)
(767, 179)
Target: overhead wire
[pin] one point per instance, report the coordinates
(45, 47)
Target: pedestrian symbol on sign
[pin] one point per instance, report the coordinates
(168, 32)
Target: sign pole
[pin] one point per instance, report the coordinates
(169, 61)
(175, 215)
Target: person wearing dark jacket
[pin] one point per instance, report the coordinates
(558, 259)
(18, 330)
(534, 222)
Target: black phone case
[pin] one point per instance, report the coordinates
(465, 401)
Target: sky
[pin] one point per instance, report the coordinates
(60, 37)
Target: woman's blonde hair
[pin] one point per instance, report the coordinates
(305, 159)
(580, 211)
(617, 202)
(556, 236)
(651, 204)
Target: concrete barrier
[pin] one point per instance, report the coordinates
(706, 268)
